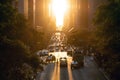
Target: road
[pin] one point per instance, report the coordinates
(90, 71)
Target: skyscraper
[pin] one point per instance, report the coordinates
(23, 7)
(30, 11)
(78, 14)
(82, 19)
(42, 17)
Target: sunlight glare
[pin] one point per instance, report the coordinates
(59, 8)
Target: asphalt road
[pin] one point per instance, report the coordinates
(90, 71)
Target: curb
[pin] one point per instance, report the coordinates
(102, 71)
(105, 75)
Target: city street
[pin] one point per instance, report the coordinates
(59, 39)
(90, 71)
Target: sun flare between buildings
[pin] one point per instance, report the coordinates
(59, 9)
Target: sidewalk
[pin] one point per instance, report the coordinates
(102, 71)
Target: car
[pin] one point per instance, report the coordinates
(69, 51)
(53, 58)
(50, 58)
(51, 50)
(63, 62)
(43, 52)
(75, 65)
(62, 50)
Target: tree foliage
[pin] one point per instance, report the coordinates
(107, 37)
(79, 38)
(13, 56)
(107, 24)
(18, 41)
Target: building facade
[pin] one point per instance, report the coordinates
(79, 15)
(23, 7)
(42, 15)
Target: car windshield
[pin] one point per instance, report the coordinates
(74, 62)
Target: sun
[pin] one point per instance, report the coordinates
(59, 8)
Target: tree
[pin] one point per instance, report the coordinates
(108, 26)
(79, 38)
(13, 54)
(107, 37)
(17, 43)
(16, 61)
